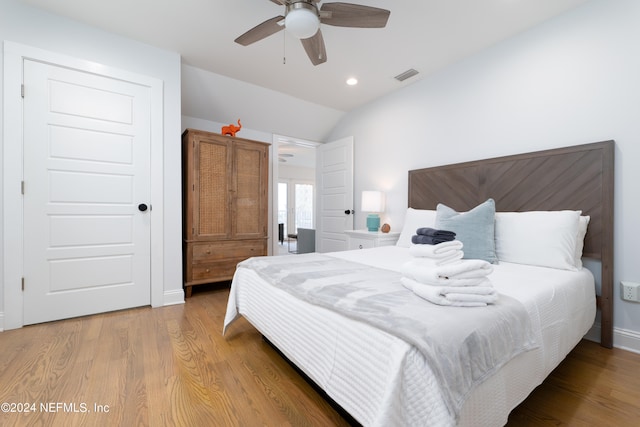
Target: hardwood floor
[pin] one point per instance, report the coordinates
(172, 367)
(593, 386)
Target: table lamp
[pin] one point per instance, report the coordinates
(372, 202)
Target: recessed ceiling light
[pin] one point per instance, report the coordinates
(352, 81)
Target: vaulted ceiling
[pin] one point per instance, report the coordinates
(425, 35)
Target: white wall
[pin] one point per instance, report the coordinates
(212, 126)
(30, 26)
(213, 97)
(572, 80)
(297, 173)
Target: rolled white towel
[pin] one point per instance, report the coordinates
(432, 294)
(442, 253)
(462, 273)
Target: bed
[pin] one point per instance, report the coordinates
(382, 378)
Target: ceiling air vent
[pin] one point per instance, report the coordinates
(407, 74)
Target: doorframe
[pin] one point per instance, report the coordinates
(12, 159)
(276, 139)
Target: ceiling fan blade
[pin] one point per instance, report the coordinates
(353, 15)
(261, 31)
(314, 46)
(285, 2)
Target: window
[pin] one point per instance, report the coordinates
(304, 205)
(295, 205)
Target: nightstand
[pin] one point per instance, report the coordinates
(363, 239)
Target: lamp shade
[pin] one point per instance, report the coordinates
(302, 20)
(372, 201)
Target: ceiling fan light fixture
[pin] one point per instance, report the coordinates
(302, 20)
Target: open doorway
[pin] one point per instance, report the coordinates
(294, 192)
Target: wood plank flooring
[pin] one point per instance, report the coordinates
(171, 366)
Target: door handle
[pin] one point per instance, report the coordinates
(142, 207)
(348, 212)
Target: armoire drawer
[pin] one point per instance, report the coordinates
(214, 271)
(212, 251)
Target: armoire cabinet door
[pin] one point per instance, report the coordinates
(212, 188)
(249, 204)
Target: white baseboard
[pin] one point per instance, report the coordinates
(622, 338)
(173, 297)
(170, 298)
(626, 340)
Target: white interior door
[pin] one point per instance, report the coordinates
(334, 181)
(86, 170)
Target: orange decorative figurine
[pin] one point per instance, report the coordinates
(231, 129)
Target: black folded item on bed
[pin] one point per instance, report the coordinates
(432, 236)
(419, 239)
(427, 231)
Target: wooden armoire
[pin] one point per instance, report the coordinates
(225, 198)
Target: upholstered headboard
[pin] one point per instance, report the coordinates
(576, 178)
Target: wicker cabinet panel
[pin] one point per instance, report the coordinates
(213, 172)
(225, 198)
(248, 207)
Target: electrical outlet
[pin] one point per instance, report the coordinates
(630, 291)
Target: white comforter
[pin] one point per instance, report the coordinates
(380, 379)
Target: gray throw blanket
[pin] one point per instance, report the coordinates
(463, 346)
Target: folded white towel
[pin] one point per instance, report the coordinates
(484, 288)
(435, 295)
(442, 253)
(470, 272)
(466, 269)
(488, 299)
(425, 262)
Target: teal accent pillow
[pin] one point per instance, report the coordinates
(475, 229)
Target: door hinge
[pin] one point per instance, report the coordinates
(23, 283)
(22, 90)
(22, 187)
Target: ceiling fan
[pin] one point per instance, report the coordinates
(303, 18)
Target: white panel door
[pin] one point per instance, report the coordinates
(86, 171)
(334, 176)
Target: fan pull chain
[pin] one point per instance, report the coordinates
(284, 48)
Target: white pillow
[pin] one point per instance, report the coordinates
(414, 219)
(583, 223)
(543, 238)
